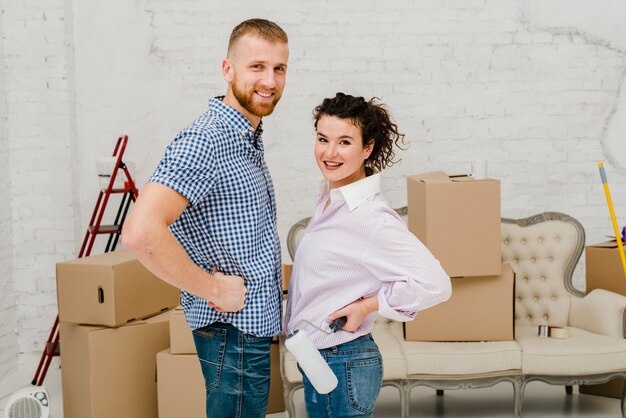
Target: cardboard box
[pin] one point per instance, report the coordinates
(480, 309)
(604, 271)
(611, 389)
(181, 338)
(604, 268)
(286, 274)
(181, 385)
(458, 219)
(110, 289)
(110, 372)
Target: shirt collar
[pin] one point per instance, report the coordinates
(354, 194)
(240, 122)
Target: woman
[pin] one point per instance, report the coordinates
(356, 259)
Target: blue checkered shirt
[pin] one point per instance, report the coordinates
(217, 164)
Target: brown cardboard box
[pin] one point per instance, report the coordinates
(110, 289)
(109, 372)
(181, 385)
(458, 219)
(611, 389)
(480, 309)
(604, 271)
(181, 338)
(604, 268)
(286, 273)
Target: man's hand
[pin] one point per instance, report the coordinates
(229, 292)
(356, 312)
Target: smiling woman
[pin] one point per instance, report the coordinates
(339, 151)
(357, 258)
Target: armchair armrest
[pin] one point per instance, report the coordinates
(600, 311)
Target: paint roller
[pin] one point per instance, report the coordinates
(309, 358)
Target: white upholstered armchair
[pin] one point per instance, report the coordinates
(543, 251)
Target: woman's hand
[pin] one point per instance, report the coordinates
(356, 312)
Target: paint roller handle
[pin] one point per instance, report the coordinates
(338, 323)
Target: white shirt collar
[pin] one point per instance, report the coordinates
(354, 194)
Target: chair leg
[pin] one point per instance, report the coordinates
(289, 404)
(405, 397)
(518, 396)
(439, 392)
(569, 389)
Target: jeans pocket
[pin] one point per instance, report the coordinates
(211, 345)
(363, 379)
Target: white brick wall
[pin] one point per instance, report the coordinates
(38, 141)
(481, 79)
(8, 308)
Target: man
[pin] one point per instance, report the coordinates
(205, 222)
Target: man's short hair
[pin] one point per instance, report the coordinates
(262, 28)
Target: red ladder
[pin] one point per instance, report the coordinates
(129, 193)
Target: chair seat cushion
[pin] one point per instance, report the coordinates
(582, 354)
(459, 358)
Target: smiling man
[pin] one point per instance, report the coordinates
(205, 222)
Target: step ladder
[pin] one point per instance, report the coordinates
(129, 194)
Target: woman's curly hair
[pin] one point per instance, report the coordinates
(375, 123)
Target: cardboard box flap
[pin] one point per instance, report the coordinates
(105, 259)
(438, 177)
(432, 177)
(607, 244)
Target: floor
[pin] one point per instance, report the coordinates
(541, 400)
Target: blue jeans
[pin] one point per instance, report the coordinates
(358, 366)
(236, 369)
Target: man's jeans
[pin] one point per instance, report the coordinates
(358, 366)
(236, 369)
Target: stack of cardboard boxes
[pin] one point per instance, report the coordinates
(112, 324)
(458, 219)
(604, 270)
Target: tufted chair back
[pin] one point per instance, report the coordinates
(543, 251)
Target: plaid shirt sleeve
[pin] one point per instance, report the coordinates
(189, 165)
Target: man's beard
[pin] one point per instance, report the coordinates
(246, 100)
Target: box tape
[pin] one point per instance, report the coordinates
(552, 331)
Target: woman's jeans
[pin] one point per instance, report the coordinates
(236, 369)
(358, 366)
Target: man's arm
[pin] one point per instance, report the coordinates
(146, 233)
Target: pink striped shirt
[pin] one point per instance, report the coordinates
(359, 247)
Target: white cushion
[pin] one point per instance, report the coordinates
(583, 353)
(600, 311)
(458, 358)
(461, 358)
